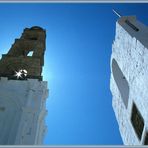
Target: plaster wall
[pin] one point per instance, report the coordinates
(22, 111)
(129, 77)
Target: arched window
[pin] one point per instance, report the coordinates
(30, 53)
(121, 82)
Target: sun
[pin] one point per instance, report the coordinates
(18, 74)
(21, 73)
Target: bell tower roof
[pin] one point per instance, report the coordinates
(36, 28)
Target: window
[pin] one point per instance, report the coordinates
(33, 38)
(146, 139)
(30, 53)
(121, 82)
(137, 121)
(131, 25)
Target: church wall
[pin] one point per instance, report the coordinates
(24, 110)
(131, 55)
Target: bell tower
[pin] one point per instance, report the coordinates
(23, 93)
(31, 41)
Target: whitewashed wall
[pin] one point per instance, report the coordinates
(130, 50)
(22, 111)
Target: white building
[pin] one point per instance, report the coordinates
(129, 80)
(23, 99)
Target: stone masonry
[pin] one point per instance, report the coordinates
(32, 39)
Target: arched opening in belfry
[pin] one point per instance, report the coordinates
(30, 54)
(121, 82)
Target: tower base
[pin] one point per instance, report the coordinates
(22, 111)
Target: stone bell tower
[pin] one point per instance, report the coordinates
(22, 92)
(129, 80)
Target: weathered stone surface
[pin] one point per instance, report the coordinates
(32, 39)
(130, 52)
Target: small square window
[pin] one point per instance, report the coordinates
(137, 121)
(33, 38)
(146, 139)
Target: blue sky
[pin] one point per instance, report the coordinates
(77, 65)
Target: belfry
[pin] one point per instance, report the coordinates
(32, 40)
(23, 92)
